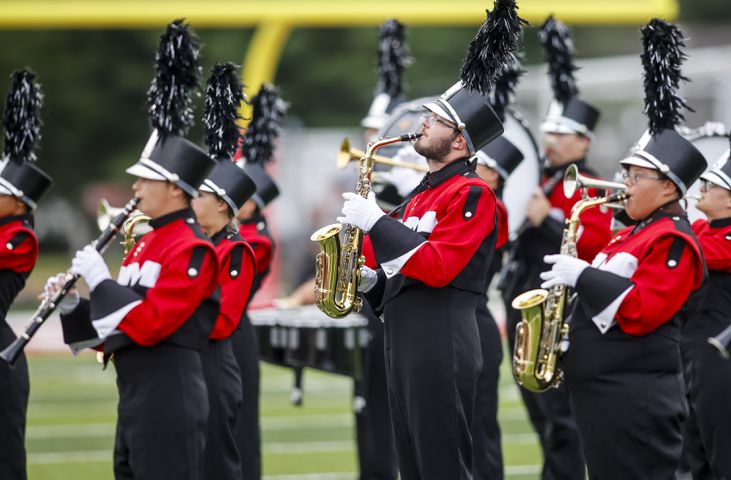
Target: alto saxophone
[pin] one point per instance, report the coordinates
(541, 337)
(338, 265)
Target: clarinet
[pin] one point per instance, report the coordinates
(49, 305)
(511, 263)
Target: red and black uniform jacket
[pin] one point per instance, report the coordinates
(18, 254)
(235, 279)
(446, 237)
(166, 292)
(536, 242)
(633, 300)
(256, 233)
(715, 241)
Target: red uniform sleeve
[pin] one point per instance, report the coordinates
(18, 251)
(455, 238)
(367, 252)
(172, 300)
(715, 245)
(659, 290)
(234, 292)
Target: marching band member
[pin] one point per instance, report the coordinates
(433, 267)
(568, 130)
(495, 162)
(220, 197)
(22, 185)
(257, 150)
(623, 366)
(708, 428)
(157, 317)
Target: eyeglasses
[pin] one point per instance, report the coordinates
(431, 118)
(633, 178)
(706, 185)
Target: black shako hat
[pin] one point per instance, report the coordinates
(266, 189)
(500, 155)
(168, 156)
(393, 58)
(491, 52)
(720, 174)
(231, 183)
(567, 113)
(574, 116)
(224, 95)
(471, 113)
(20, 177)
(661, 147)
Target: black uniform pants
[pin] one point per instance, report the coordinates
(223, 380)
(162, 414)
(550, 414)
(376, 449)
(708, 428)
(14, 390)
(433, 359)
(248, 436)
(487, 452)
(630, 424)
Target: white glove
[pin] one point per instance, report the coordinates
(89, 264)
(360, 212)
(368, 279)
(566, 270)
(69, 302)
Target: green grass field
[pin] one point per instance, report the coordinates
(72, 414)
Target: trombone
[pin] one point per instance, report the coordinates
(346, 154)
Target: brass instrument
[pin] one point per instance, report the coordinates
(134, 226)
(346, 154)
(542, 335)
(722, 342)
(338, 265)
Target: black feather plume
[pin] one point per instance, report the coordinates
(662, 58)
(504, 89)
(558, 52)
(492, 51)
(22, 117)
(224, 95)
(177, 74)
(269, 110)
(393, 58)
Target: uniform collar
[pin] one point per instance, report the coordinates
(224, 233)
(720, 222)
(671, 210)
(186, 214)
(27, 218)
(457, 167)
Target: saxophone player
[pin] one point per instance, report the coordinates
(433, 264)
(623, 365)
(708, 429)
(568, 131)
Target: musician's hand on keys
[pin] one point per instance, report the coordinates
(53, 285)
(538, 208)
(89, 264)
(360, 212)
(368, 279)
(565, 271)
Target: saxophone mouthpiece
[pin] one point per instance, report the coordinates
(408, 137)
